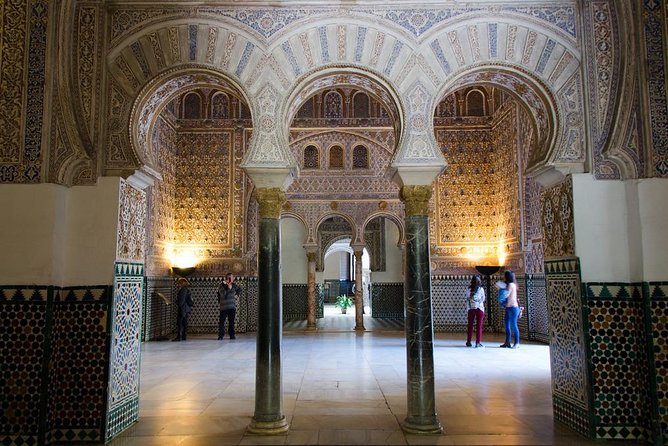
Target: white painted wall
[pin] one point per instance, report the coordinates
(32, 227)
(91, 232)
(393, 262)
(620, 231)
(601, 220)
(332, 266)
(653, 212)
(54, 235)
(294, 264)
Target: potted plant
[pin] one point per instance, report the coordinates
(343, 302)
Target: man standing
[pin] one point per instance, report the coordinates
(185, 304)
(227, 297)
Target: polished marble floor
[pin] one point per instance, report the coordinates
(344, 388)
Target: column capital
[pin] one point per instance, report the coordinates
(416, 199)
(271, 200)
(311, 256)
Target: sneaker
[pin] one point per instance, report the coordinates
(515, 346)
(468, 344)
(504, 345)
(479, 345)
(220, 338)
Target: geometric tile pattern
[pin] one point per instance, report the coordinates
(295, 305)
(618, 359)
(125, 348)
(23, 352)
(206, 311)
(572, 415)
(448, 300)
(522, 322)
(570, 382)
(77, 380)
(249, 310)
(656, 295)
(387, 300)
(66, 330)
(539, 328)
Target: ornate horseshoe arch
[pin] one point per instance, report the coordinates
(156, 95)
(536, 99)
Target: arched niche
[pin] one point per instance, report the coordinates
(159, 92)
(330, 229)
(331, 79)
(531, 93)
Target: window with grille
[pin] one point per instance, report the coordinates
(336, 157)
(360, 157)
(311, 158)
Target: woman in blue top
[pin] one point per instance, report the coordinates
(476, 305)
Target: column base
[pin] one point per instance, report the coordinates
(268, 427)
(313, 328)
(360, 328)
(429, 426)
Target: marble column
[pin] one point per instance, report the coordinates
(421, 408)
(311, 296)
(269, 418)
(359, 296)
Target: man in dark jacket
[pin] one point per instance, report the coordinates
(227, 298)
(185, 305)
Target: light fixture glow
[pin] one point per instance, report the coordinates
(182, 257)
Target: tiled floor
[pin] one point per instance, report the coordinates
(344, 388)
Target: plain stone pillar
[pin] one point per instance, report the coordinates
(421, 407)
(359, 296)
(269, 418)
(311, 301)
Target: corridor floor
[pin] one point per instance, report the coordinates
(344, 388)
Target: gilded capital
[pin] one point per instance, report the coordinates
(271, 201)
(416, 199)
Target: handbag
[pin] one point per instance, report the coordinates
(502, 297)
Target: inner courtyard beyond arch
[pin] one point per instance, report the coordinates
(380, 155)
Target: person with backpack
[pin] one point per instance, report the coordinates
(185, 306)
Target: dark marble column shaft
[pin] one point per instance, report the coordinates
(269, 418)
(421, 408)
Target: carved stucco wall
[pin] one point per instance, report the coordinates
(200, 202)
(475, 207)
(557, 220)
(259, 45)
(161, 199)
(349, 182)
(23, 56)
(262, 48)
